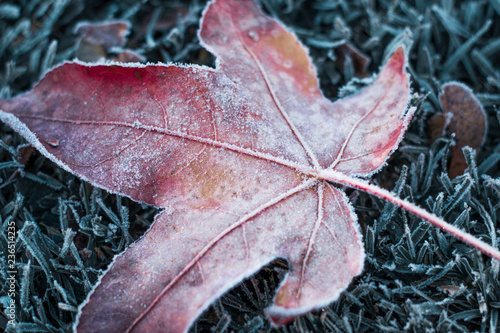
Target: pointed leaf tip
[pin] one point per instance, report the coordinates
(398, 60)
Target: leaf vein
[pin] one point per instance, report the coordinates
(354, 127)
(312, 238)
(264, 156)
(276, 101)
(216, 239)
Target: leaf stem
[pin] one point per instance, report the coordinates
(364, 186)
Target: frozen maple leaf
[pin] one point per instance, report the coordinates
(246, 158)
(462, 115)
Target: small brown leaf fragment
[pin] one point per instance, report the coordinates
(100, 253)
(106, 34)
(24, 154)
(99, 37)
(466, 119)
(358, 59)
(90, 52)
(436, 126)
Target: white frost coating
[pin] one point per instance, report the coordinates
(107, 62)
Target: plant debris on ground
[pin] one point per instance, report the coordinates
(416, 277)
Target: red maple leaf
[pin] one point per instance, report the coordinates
(246, 159)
